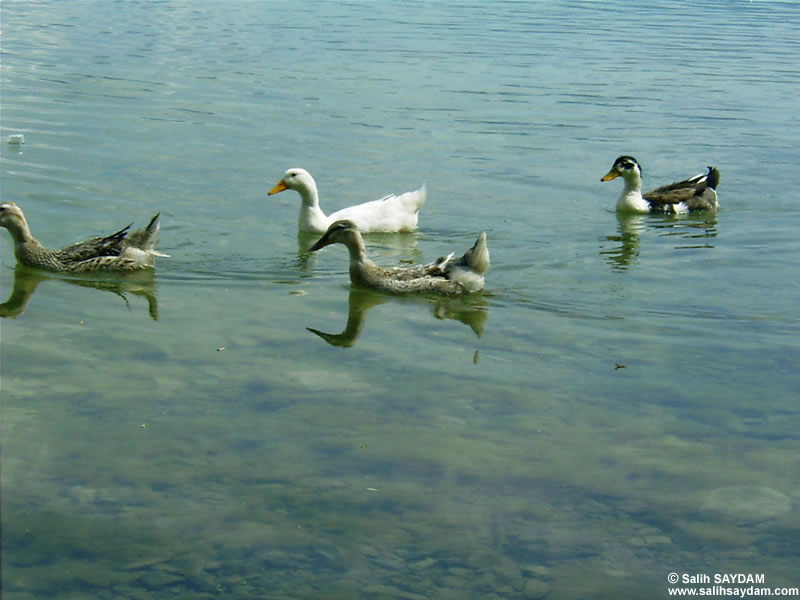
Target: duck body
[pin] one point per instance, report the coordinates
(694, 194)
(121, 251)
(449, 275)
(389, 214)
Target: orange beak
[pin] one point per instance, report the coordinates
(279, 187)
(612, 174)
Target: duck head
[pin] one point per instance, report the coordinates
(626, 167)
(340, 232)
(296, 179)
(11, 216)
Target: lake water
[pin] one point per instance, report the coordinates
(621, 403)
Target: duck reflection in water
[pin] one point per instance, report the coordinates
(624, 251)
(392, 247)
(698, 228)
(472, 311)
(27, 279)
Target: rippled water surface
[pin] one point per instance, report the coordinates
(618, 405)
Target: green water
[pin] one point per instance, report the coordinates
(619, 404)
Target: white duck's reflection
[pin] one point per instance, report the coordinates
(472, 311)
(390, 247)
(27, 279)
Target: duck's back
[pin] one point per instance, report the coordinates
(446, 275)
(120, 251)
(389, 214)
(110, 245)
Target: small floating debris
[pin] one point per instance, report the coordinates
(618, 366)
(221, 348)
(298, 293)
(16, 139)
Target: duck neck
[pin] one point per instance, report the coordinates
(357, 249)
(21, 234)
(631, 197)
(311, 216)
(360, 264)
(633, 183)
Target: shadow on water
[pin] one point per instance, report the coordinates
(473, 312)
(623, 248)
(26, 280)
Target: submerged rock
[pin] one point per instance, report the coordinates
(535, 588)
(747, 503)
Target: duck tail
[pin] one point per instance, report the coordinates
(146, 239)
(154, 225)
(151, 233)
(477, 257)
(412, 201)
(712, 179)
(422, 195)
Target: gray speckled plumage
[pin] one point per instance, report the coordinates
(446, 275)
(120, 251)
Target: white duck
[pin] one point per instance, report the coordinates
(389, 214)
(446, 275)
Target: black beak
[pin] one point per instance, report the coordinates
(321, 243)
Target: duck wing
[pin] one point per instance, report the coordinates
(390, 213)
(697, 192)
(438, 268)
(110, 245)
(446, 275)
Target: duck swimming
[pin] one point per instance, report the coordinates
(120, 251)
(389, 214)
(694, 194)
(446, 275)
